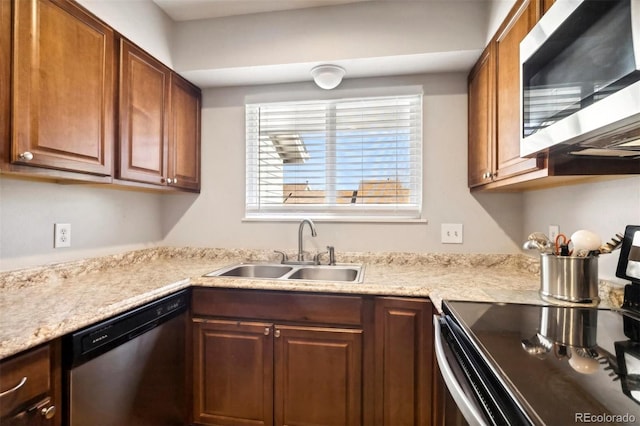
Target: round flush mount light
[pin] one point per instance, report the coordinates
(327, 76)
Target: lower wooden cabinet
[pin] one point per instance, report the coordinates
(404, 360)
(30, 388)
(318, 376)
(283, 358)
(233, 372)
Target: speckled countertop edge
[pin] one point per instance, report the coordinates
(43, 303)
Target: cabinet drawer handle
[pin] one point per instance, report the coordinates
(15, 388)
(48, 412)
(27, 156)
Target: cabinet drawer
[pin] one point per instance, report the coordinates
(277, 306)
(24, 378)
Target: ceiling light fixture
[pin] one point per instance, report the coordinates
(327, 76)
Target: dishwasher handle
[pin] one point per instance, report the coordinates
(467, 407)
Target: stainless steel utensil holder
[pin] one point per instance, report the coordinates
(569, 278)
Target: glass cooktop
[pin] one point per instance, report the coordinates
(565, 365)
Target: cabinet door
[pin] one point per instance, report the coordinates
(233, 373)
(184, 135)
(509, 162)
(318, 376)
(63, 88)
(481, 138)
(144, 112)
(546, 4)
(403, 354)
(5, 78)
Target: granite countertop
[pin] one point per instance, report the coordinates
(40, 304)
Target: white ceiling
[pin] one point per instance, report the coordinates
(186, 10)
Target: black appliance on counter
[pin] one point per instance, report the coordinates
(517, 364)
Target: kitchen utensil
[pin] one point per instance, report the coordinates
(612, 245)
(582, 362)
(544, 245)
(585, 241)
(532, 245)
(562, 245)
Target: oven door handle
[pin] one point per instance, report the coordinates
(466, 406)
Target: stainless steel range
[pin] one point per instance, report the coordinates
(528, 364)
(517, 364)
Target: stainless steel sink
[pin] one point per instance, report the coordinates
(256, 271)
(326, 273)
(275, 271)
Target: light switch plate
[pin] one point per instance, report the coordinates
(451, 233)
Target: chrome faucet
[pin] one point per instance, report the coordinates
(313, 234)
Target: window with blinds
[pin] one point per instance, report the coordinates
(347, 158)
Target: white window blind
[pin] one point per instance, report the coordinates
(348, 158)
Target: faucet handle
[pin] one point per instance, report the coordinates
(332, 255)
(283, 254)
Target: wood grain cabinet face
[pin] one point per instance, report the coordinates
(63, 88)
(144, 116)
(262, 372)
(233, 373)
(403, 354)
(481, 139)
(5, 78)
(28, 388)
(159, 123)
(508, 160)
(184, 135)
(318, 376)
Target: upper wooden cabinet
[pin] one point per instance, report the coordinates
(184, 135)
(61, 94)
(507, 49)
(481, 119)
(5, 77)
(494, 161)
(159, 123)
(144, 116)
(63, 88)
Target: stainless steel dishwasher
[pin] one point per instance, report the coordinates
(129, 370)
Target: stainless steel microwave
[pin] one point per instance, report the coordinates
(580, 80)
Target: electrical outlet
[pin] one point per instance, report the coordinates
(61, 235)
(554, 230)
(451, 233)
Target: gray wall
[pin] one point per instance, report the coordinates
(492, 222)
(604, 207)
(103, 221)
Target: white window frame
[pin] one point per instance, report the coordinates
(254, 211)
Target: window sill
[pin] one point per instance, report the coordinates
(320, 219)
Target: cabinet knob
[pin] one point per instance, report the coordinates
(27, 156)
(266, 331)
(488, 175)
(277, 333)
(48, 412)
(175, 180)
(168, 181)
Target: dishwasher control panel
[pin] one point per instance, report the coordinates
(99, 338)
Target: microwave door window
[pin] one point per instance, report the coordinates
(572, 70)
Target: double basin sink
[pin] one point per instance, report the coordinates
(276, 271)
